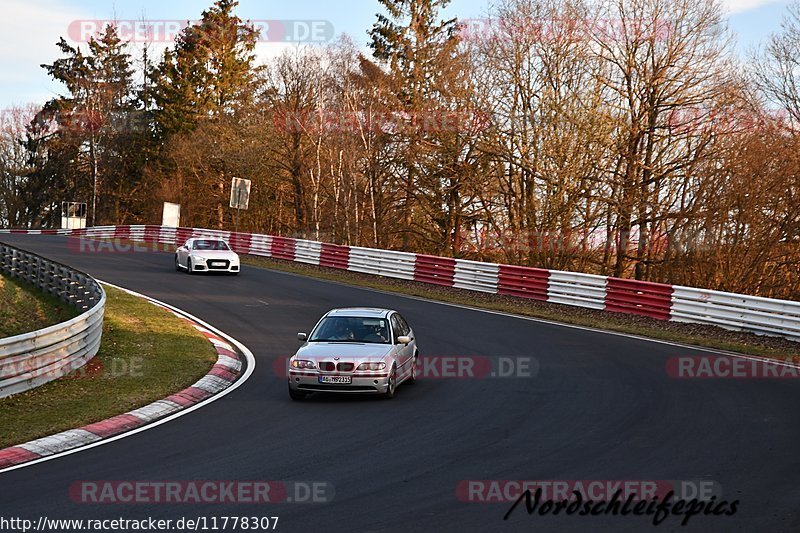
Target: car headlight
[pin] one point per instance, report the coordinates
(199, 259)
(371, 366)
(300, 363)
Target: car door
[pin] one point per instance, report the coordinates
(183, 252)
(409, 332)
(405, 352)
(412, 346)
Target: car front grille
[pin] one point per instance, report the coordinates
(341, 367)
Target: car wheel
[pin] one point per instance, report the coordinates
(413, 378)
(177, 264)
(390, 390)
(189, 266)
(296, 395)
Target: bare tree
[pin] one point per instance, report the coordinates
(777, 68)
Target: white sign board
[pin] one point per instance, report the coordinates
(172, 215)
(73, 215)
(240, 193)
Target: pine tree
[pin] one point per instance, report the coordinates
(415, 44)
(94, 115)
(412, 40)
(209, 71)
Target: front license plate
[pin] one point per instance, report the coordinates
(336, 379)
(217, 263)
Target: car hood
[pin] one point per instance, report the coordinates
(344, 350)
(215, 254)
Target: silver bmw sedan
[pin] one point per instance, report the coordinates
(355, 350)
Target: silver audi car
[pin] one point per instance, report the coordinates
(358, 350)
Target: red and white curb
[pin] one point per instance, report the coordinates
(225, 376)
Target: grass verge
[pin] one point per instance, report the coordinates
(691, 334)
(24, 308)
(146, 354)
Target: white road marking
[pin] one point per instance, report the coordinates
(551, 322)
(251, 365)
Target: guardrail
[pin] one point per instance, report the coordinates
(655, 300)
(32, 359)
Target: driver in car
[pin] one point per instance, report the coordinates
(342, 332)
(375, 333)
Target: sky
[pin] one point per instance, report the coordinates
(32, 27)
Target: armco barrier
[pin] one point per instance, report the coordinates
(307, 252)
(240, 242)
(639, 298)
(261, 245)
(736, 311)
(219, 380)
(435, 270)
(574, 288)
(386, 263)
(663, 302)
(32, 359)
(523, 281)
(475, 276)
(282, 248)
(334, 256)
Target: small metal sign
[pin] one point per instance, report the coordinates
(240, 193)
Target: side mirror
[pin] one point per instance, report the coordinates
(403, 339)
(302, 336)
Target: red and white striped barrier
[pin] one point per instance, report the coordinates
(655, 300)
(222, 375)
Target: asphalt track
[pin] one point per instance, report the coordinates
(601, 407)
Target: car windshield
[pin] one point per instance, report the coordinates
(352, 329)
(209, 245)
